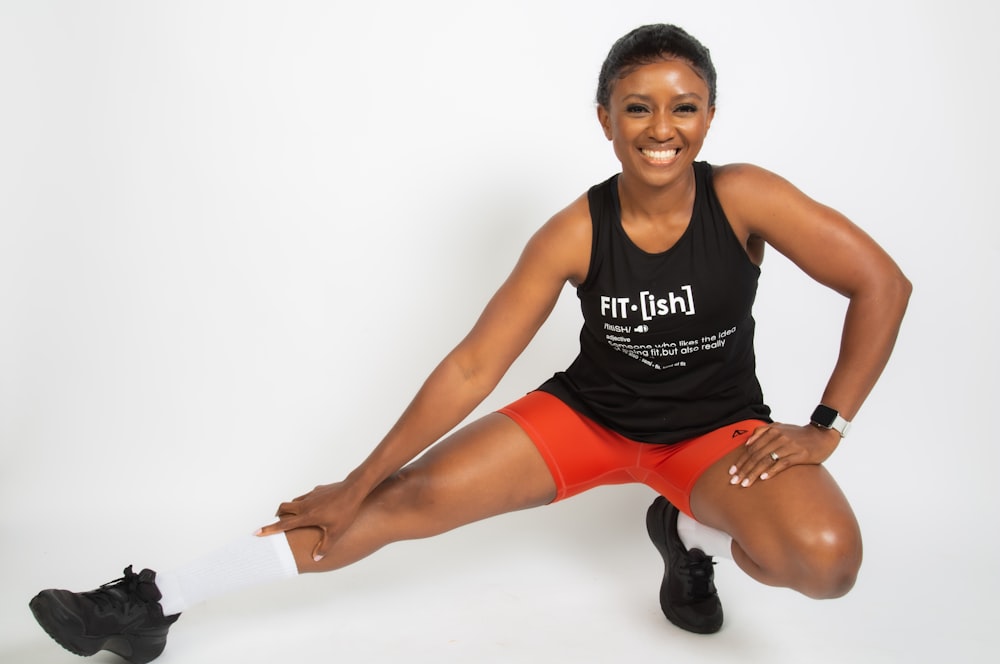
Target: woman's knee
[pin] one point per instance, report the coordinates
(818, 559)
(403, 492)
(828, 558)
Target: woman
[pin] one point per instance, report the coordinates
(665, 260)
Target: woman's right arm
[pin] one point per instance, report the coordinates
(558, 253)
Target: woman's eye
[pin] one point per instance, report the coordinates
(686, 109)
(635, 108)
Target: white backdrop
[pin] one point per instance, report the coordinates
(236, 236)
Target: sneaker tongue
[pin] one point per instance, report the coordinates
(698, 556)
(145, 586)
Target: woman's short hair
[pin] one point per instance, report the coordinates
(654, 43)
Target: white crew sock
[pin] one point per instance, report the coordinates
(243, 563)
(696, 535)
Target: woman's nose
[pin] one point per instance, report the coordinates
(661, 128)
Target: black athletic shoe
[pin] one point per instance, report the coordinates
(123, 616)
(687, 594)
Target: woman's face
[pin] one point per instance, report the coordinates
(657, 120)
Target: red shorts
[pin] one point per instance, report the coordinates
(581, 454)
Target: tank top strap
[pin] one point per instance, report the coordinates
(706, 204)
(604, 211)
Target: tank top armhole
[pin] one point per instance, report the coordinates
(717, 211)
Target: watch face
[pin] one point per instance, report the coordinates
(824, 416)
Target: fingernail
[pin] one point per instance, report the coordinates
(258, 532)
(732, 470)
(317, 558)
(745, 483)
(764, 476)
(735, 480)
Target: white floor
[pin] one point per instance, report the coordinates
(539, 586)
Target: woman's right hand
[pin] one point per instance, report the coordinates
(329, 508)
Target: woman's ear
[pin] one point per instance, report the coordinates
(605, 119)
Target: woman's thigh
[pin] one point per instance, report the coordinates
(488, 467)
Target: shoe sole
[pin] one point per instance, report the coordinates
(656, 527)
(63, 627)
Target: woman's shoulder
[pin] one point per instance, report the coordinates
(572, 220)
(565, 240)
(761, 204)
(743, 177)
(745, 189)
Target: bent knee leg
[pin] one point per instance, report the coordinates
(826, 561)
(819, 560)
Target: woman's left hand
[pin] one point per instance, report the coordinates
(776, 447)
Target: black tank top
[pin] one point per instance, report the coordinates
(666, 349)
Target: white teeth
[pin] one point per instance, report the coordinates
(660, 154)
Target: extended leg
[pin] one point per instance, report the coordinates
(489, 467)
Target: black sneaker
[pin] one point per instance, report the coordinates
(123, 616)
(687, 594)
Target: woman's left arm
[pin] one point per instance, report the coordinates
(838, 254)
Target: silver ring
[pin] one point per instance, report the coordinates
(774, 456)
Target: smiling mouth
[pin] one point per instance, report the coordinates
(660, 155)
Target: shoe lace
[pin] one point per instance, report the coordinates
(112, 593)
(700, 576)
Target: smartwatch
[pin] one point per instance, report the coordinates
(827, 418)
